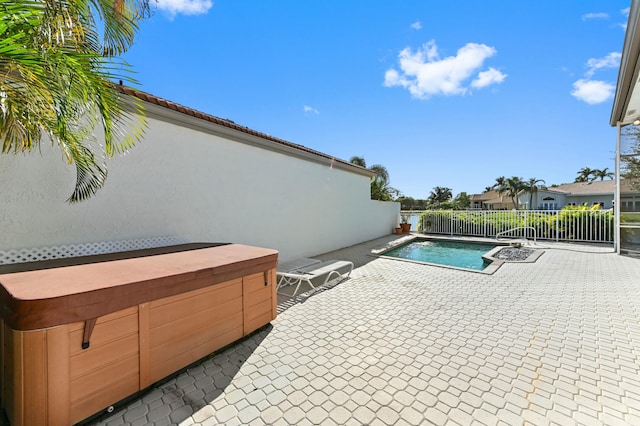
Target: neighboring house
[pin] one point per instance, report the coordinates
(490, 200)
(572, 194)
(199, 178)
(568, 194)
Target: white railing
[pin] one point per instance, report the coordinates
(557, 225)
(509, 232)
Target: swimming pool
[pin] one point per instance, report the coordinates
(448, 253)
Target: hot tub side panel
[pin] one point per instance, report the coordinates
(48, 378)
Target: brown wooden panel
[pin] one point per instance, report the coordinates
(105, 318)
(257, 322)
(171, 308)
(35, 377)
(97, 357)
(14, 377)
(108, 370)
(160, 370)
(99, 389)
(257, 301)
(253, 283)
(274, 295)
(8, 383)
(188, 321)
(143, 344)
(107, 329)
(257, 297)
(258, 310)
(58, 406)
(198, 335)
(15, 395)
(222, 288)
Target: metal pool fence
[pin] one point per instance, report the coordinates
(558, 225)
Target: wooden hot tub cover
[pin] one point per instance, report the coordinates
(50, 293)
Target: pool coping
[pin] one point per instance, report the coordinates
(489, 256)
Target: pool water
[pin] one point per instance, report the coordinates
(449, 253)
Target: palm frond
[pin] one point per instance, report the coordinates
(56, 74)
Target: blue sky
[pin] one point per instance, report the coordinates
(442, 93)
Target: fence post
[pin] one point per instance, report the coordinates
(557, 226)
(451, 224)
(484, 222)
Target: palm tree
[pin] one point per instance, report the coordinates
(499, 186)
(380, 187)
(382, 191)
(381, 172)
(631, 162)
(604, 173)
(632, 171)
(515, 186)
(500, 182)
(584, 175)
(512, 187)
(440, 194)
(358, 161)
(58, 60)
(531, 186)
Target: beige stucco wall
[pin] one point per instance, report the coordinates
(191, 183)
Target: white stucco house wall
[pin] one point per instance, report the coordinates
(197, 178)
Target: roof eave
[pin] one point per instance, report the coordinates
(165, 110)
(628, 73)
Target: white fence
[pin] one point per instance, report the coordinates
(558, 225)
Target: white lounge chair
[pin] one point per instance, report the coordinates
(306, 269)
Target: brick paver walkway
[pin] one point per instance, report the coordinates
(552, 342)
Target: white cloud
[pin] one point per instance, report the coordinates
(612, 60)
(311, 110)
(416, 25)
(596, 91)
(599, 15)
(487, 78)
(185, 7)
(592, 91)
(425, 74)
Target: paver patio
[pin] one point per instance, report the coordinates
(551, 342)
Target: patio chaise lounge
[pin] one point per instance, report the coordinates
(307, 270)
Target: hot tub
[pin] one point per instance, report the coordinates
(78, 335)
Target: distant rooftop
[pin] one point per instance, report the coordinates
(575, 188)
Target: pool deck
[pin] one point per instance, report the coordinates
(551, 342)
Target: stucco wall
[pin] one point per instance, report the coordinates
(607, 199)
(193, 184)
(538, 199)
(563, 200)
